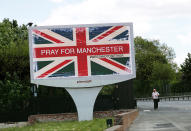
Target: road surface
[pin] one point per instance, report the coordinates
(171, 116)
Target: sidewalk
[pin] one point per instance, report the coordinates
(13, 124)
(171, 116)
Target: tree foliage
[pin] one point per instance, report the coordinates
(14, 49)
(154, 66)
(186, 73)
(10, 32)
(186, 68)
(147, 53)
(14, 95)
(14, 67)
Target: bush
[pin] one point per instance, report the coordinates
(14, 95)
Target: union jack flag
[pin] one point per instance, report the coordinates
(81, 51)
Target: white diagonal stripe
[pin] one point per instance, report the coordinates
(112, 35)
(55, 35)
(50, 66)
(109, 66)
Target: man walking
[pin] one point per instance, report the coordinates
(155, 95)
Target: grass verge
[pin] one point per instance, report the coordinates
(94, 125)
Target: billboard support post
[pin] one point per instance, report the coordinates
(84, 99)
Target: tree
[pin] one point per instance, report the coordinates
(10, 32)
(14, 55)
(14, 95)
(154, 66)
(168, 52)
(186, 73)
(186, 68)
(14, 68)
(147, 52)
(161, 76)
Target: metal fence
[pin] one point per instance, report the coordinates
(122, 98)
(167, 98)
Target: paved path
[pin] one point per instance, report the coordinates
(171, 116)
(13, 124)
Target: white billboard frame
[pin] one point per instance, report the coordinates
(84, 81)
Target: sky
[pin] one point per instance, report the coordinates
(168, 21)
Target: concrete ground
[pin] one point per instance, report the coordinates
(13, 124)
(171, 116)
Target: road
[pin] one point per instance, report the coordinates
(171, 116)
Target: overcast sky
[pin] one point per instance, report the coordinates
(166, 20)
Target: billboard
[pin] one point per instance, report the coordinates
(81, 55)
